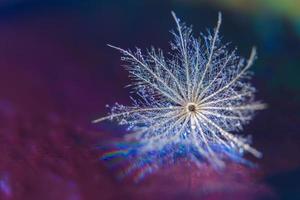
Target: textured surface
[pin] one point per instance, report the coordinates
(54, 66)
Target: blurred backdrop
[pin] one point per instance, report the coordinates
(57, 74)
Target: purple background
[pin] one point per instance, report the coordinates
(57, 74)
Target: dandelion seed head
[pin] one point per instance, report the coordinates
(190, 102)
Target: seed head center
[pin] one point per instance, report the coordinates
(191, 107)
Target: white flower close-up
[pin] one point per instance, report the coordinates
(199, 96)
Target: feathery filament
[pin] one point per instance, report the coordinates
(191, 100)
